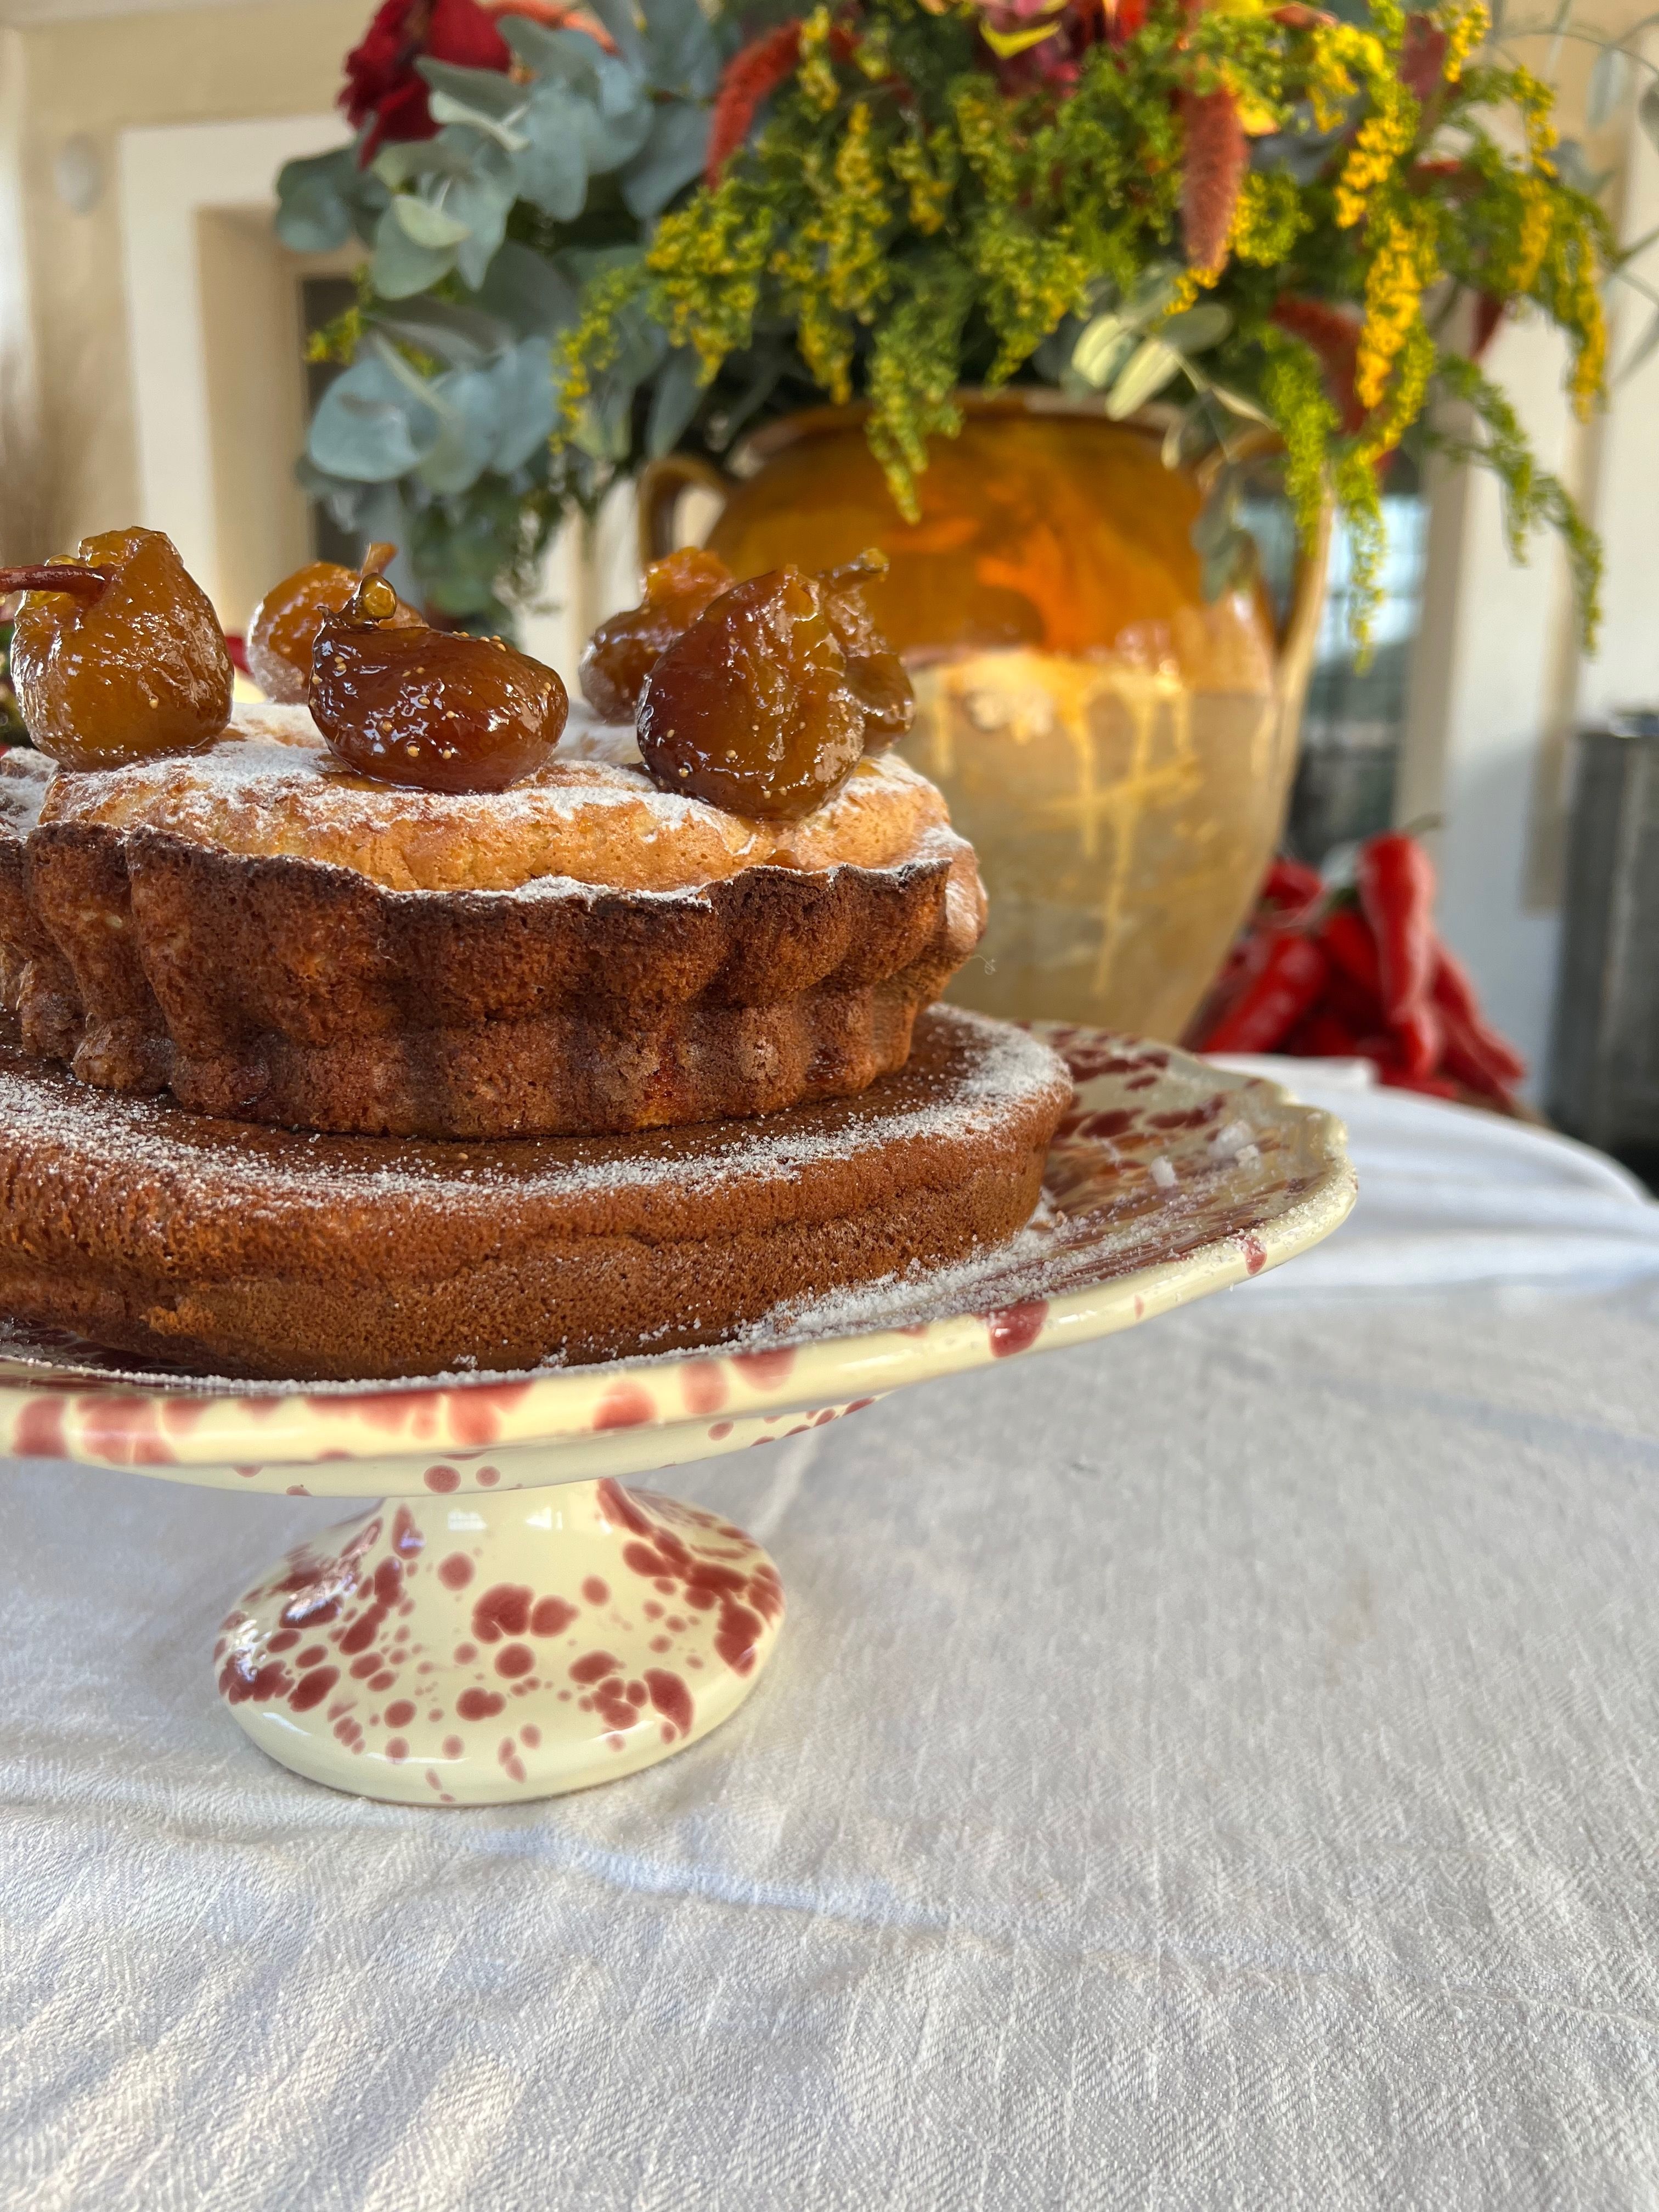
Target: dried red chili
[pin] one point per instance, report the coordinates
(1396, 894)
(1285, 985)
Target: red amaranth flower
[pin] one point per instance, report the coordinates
(748, 79)
(1217, 153)
(1334, 337)
(383, 86)
(1422, 59)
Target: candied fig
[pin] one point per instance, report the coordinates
(622, 652)
(286, 621)
(878, 675)
(117, 653)
(750, 708)
(430, 707)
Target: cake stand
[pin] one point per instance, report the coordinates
(514, 1620)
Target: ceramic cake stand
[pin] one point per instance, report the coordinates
(514, 1619)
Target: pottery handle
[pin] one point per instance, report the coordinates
(660, 486)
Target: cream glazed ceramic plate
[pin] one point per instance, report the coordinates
(494, 1636)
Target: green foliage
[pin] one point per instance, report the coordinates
(552, 294)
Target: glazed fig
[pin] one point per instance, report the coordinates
(766, 703)
(285, 624)
(430, 707)
(750, 707)
(623, 652)
(116, 655)
(876, 673)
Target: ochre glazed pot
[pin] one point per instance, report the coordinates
(1118, 750)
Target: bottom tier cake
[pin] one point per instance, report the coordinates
(222, 1247)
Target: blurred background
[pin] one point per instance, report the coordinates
(152, 368)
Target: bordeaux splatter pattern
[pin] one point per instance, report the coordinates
(393, 1640)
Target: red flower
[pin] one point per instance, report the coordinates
(382, 82)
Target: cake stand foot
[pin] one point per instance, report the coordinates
(466, 1651)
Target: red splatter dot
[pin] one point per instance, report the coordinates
(734, 1639)
(401, 1714)
(616, 1505)
(312, 1655)
(383, 1680)
(624, 1406)
(396, 1750)
(552, 1616)
(1015, 1328)
(703, 1385)
(531, 1734)
(1255, 1256)
(637, 1693)
(502, 1610)
(517, 1659)
(456, 1572)
(766, 1370)
(283, 1640)
(478, 1705)
(310, 1689)
(406, 1537)
(453, 1747)
(442, 1479)
(593, 1666)
(488, 1477)
(595, 1591)
(720, 1433)
(669, 1696)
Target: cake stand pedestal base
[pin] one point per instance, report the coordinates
(468, 1650)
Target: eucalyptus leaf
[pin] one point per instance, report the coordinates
(427, 224)
(619, 19)
(1196, 329)
(445, 110)
(612, 137)
(313, 212)
(528, 292)
(466, 400)
(460, 338)
(450, 154)
(684, 49)
(1237, 403)
(1609, 82)
(1149, 368)
(400, 267)
(524, 404)
(492, 92)
(671, 158)
(552, 168)
(1101, 349)
(369, 427)
(555, 57)
(482, 202)
(675, 399)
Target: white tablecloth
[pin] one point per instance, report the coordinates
(1216, 1766)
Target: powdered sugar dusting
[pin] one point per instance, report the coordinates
(1133, 1180)
(270, 787)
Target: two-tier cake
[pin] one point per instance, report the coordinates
(418, 1028)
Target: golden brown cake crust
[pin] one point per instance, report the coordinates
(273, 987)
(219, 1248)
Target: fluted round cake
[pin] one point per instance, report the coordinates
(273, 938)
(220, 1248)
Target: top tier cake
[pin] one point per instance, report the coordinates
(315, 923)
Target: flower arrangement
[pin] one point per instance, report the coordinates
(607, 233)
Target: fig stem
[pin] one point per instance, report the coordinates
(377, 558)
(85, 581)
(864, 569)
